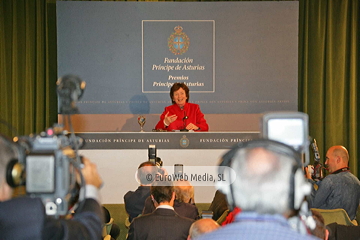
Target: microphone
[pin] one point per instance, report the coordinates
(184, 122)
(185, 116)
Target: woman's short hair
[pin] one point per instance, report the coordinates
(177, 86)
(184, 191)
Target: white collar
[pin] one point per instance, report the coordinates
(165, 207)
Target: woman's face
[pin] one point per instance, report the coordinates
(180, 97)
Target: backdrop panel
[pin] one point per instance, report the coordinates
(236, 57)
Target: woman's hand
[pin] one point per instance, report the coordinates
(192, 126)
(169, 119)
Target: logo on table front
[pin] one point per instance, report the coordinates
(178, 41)
(184, 141)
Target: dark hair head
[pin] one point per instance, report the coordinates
(161, 191)
(177, 86)
(144, 170)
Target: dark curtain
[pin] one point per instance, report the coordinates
(328, 69)
(329, 72)
(27, 81)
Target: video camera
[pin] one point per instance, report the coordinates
(46, 166)
(47, 162)
(290, 128)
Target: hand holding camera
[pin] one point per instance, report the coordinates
(90, 173)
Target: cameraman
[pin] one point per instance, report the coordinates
(25, 218)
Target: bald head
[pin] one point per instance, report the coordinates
(202, 226)
(261, 161)
(340, 151)
(337, 157)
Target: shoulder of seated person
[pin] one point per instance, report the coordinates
(128, 194)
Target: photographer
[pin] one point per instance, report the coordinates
(135, 200)
(339, 189)
(25, 218)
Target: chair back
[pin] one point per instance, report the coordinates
(338, 215)
(223, 216)
(107, 228)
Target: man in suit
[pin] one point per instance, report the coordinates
(183, 204)
(164, 222)
(135, 200)
(25, 218)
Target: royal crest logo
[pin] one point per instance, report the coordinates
(178, 41)
(184, 141)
